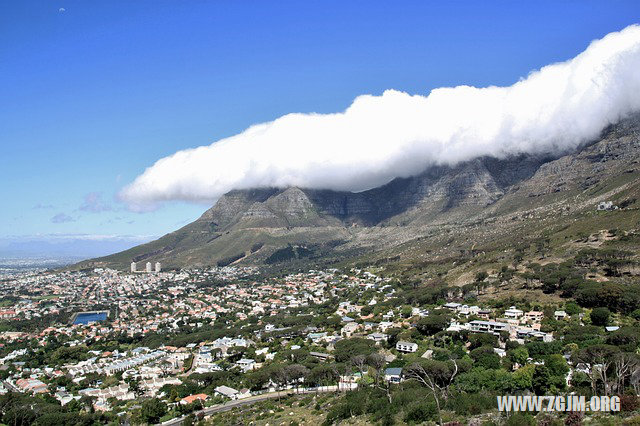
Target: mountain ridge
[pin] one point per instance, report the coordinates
(404, 209)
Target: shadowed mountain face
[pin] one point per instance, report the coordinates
(250, 226)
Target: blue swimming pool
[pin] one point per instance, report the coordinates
(86, 318)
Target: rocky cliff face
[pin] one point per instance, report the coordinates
(269, 218)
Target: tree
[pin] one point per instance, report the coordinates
(600, 316)
(522, 378)
(359, 362)
(377, 363)
(348, 348)
(432, 324)
(296, 373)
(625, 365)
(152, 410)
(541, 380)
(485, 357)
(572, 308)
(600, 358)
(627, 337)
(436, 376)
(519, 355)
(477, 340)
(323, 375)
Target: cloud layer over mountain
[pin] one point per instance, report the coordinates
(378, 138)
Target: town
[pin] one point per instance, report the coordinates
(155, 346)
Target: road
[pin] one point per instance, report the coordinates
(248, 401)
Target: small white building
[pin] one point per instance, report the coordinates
(226, 391)
(513, 313)
(134, 268)
(406, 347)
(149, 267)
(377, 337)
(452, 306)
(158, 267)
(559, 315)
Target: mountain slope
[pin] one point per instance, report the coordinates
(249, 226)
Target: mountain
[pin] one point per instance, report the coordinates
(447, 209)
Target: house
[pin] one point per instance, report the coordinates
(377, 337)
(321, 356)
(534, 316)
(513, 313)
(246, 364)
(501, 352)
(468, 310)
(349, 328)
(384, 325)
(484, 313)
(528, 333)
(406, 346)
(393, 375)
(197, 397)
(559, 315)
(31, 385)
(316, 337)
(388, 315)
(226, 391)
(479, 326)
(64, 397)
(452, 306)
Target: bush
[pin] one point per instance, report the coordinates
(421, 412)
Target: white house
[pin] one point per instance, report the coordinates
(559, 315)
(377, 337)
(513, 313)
(227, 392)
(406, 346)
(479, 326)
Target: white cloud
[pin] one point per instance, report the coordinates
(396, 134)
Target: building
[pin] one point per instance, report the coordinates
(134, 268)
(513, 313)
(226, 391)
(377, 337)
(247, 364)
(149, 267)
(349, 329)
(484, 313)
(158, 267)
(393, 375)
(452, 306)
(31, 385)
(559, 315)
(406, 346)
(535, 316)
(320, 355)
(193, 398)
(527, 333)
(487, 326)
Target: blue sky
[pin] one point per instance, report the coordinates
(93, 93)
